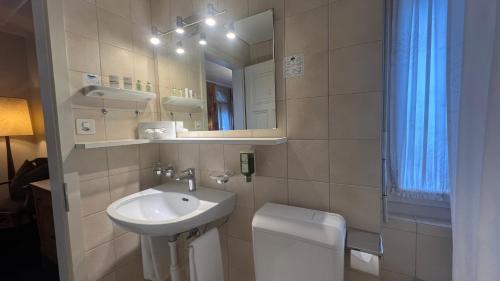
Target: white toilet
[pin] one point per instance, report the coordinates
(297, 244)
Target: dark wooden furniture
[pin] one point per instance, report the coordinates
(45, 219)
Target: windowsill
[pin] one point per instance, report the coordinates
(428, 210)
(420, 202)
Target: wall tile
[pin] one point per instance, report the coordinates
(357, 116)
(267, 189)
(130, 270)
(100, 261)
(365, 20)
(240, 223)
(127, 246)
(297, 7)
(236, 9)
(360, 206)
(301, 32)
(90, 164)
(140, 39)
(401, 223)
(123, 184)
(123, 159)
(169, 154)
(393, 276)
(309, 194)
(307, 118)
(94, 195)
(308, 160)
(118, 7)
(121, 124)
(114, 29)
(356, 69)
(189, 156)
(116, 61)
(432, 229)
(399, 251)
(212, 157)
(356, 162)
(236, 274)
(149, 155)
(97, 229)
(434, 258)
(240, 255)
(314, 82)
(80, 18)
(148, 179)
(82, 53)
(141, 12)
(244, 191)
(270, 160)
(144, 69)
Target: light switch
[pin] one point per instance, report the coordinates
(85, 126)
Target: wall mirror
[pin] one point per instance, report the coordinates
(215, 74)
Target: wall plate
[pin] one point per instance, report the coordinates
(85, 126)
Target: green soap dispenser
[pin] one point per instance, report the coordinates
(247, 164)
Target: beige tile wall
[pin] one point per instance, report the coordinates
(331, 116)
(107, 37)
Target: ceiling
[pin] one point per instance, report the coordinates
(16, 17)
(218, 74)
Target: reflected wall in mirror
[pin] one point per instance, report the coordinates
(218, 77)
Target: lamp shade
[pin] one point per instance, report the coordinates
(14, 117)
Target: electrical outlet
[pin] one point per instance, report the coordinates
(85, 126)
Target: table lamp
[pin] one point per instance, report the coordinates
(14, 121)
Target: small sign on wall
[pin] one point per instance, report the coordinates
(294, 66)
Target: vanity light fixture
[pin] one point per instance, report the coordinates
(179, 25)
(179, 50)
(203, 39)
(230, 33)
(155, 40)
(210, 20)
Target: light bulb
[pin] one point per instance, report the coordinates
(155, 40)
(179, 25)
(180, 50)
(203, 39)
(210, 21)
(230, 35)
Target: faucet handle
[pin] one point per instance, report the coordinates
(189, 171)
(169, 171)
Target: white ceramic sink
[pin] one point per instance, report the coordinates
(170, 209)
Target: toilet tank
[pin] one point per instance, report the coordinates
(297, 244)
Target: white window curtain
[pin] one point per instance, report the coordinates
(475, 197)
(416, 107)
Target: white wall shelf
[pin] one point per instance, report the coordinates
(105, 92)
(181, 101)
(243, 141)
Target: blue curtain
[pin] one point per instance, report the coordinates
(417, 99)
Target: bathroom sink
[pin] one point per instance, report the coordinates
(170, 209)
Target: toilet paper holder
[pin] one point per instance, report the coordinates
(364, 241)
(365, 250)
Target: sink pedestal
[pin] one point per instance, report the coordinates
(174, 267)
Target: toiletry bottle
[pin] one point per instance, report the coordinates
(148, 87)
(138, 85)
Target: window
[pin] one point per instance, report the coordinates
(416, 104)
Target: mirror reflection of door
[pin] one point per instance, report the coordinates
(260, 95)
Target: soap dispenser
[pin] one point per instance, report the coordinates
(247, 164)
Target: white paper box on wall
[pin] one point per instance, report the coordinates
(365, 262)
(157, 130)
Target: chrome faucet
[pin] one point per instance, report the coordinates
(190, 175)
